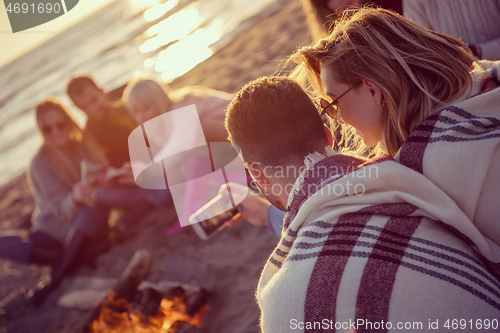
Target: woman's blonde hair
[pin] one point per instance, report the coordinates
(91, 149)
(150, 92)
(418, 70)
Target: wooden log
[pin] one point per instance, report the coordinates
(126, 286)
(136, 271)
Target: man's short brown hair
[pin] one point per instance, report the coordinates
(274, 122)
(77, 85)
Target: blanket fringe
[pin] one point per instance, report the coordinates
(309, 162)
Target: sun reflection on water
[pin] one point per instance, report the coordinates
(138, 6)
(191, 33)
(186, 43)
(183, 56)
(176, 27)
(159, 10)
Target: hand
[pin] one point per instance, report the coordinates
(125, 176)
(83, 192)
(253, 208)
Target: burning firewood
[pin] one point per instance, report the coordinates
(193, 297)
(154, 308)
(147, 302)
(136, 271)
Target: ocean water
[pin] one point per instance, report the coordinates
(128, 37)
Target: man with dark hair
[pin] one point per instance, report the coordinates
(84, 86)
(366, 245)
(107, 123)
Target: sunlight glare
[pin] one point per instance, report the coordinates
(171, 29)
(159, 10)
(149, 63)
(138, 6)
(190, 13)
(189, 52)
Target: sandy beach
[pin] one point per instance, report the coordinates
(228, 265)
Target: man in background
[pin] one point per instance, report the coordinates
(107, 122)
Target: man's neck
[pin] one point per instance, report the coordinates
(285, 182)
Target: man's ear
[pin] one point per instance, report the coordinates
(258, 172)
(374, 90)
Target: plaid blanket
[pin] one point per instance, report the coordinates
(379, 247)
(458, 149)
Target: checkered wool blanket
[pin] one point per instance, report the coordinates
(458, 149)
(384, 247)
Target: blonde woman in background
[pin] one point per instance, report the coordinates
(145, 99)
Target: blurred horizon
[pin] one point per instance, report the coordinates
(20, 43)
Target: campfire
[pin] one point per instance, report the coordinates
(164, 307)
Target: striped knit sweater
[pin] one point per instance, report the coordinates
(473, 21)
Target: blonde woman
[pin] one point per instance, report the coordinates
(420, 95)
(145, 98)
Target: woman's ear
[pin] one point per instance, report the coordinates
(374, 90)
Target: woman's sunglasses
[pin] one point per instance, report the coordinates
(61, 125)
(323, 105)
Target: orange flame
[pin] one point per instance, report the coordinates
(117, 316)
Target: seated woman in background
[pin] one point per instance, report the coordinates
(54, 176)
(71, 215)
